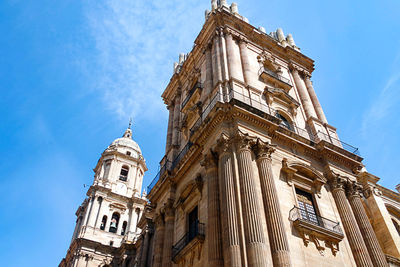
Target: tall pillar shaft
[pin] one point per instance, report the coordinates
(255, 240)
(314, 100)
(233, 61)
(357, 245)
(216, 62)
(159, 242)
(170, 127)
(276, 230)
(168, 236)
(214, 237)
(230, 231)
(177, 111)
(304, 97)
(224, 59)
(208, 84)
(244, 55)
(375, 251)
(145, 249)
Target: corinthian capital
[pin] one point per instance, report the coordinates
(209, 161)
(354, 189)
(338, 182)
(263, 149)
(243, 141)
(223, 144)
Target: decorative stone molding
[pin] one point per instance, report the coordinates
(304, 175)
(223, 144)
(243, 141)
(210, 161)
(263, 149)
(266, 60)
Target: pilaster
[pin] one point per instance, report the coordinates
(228, 203)
(276, 229)
(255, 239)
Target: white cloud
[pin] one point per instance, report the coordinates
(136, 44)
(384, 109)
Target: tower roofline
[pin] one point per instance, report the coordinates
(223, 17)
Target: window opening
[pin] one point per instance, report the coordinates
(284, 122)
(103, 223)
(114, 222)
(124, 225)
(193, 220)
(306, 206)
(124, 173)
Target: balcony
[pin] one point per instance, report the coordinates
(312, 227)
(275, 78)
(196, 88)
(191, 239)
(164, 168)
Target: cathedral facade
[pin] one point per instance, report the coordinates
(253, 173)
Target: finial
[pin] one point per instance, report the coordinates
(130, 122)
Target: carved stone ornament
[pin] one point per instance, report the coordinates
(267, 61)
(223, 144)
(338, 182)
(303, 174)
(243, 141)
(354, 189)
(209, 161)
(263, 149)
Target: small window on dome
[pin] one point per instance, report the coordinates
(124, 173)
(128, 153)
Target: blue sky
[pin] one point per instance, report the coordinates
(73, 72)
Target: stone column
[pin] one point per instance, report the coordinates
(145, 248)
(304, 97)
(230, 229)
(255, 239)
(89, 210)
(233, 61)
(353, 234)
(314, 99)
(276, 229)
(169, 218)
(208, 84)
(213, 236)
(170, 126)
(177, 112)
(216, 63)
(375, 251)
(224, 59)
(244, 55)
(159, 242)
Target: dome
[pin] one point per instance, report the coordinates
(125, 141)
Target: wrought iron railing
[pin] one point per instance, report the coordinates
(181, 154)
(190, 93)
(164, 168)
(197, 230)
(216, 98)
(297, 214)
(275, 75)
(337, 142)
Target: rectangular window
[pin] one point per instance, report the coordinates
(306, 206)
(193, 223)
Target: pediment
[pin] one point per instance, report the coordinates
(304, 175)
(277, 93)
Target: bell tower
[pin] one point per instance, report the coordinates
(107, 219)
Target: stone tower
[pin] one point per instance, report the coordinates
(107, 220)
(253, 173)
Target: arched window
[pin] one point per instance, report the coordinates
(124, 225)
(124, 173)
(103, 223)
(284, 121)
(114, 222)
(397, 226)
